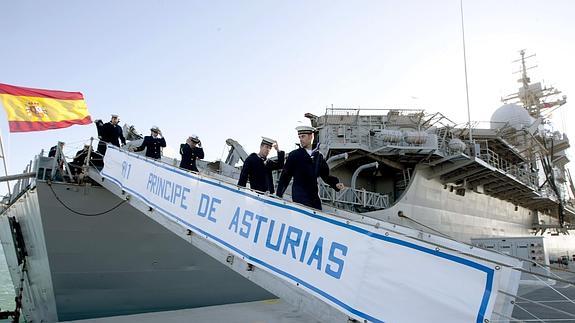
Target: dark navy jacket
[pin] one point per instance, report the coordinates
(305, 170)
(189, 156)
(259, 172)
(79, 161)
(111, 134)
(152, 146)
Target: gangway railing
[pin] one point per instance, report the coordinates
(351, 197)
(337, 267)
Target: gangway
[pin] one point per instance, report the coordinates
(339, 267)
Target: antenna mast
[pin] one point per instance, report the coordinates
(465, 68)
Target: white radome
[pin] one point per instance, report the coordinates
(511, 114)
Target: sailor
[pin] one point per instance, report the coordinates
(79, 160)
(305, 166)
(109, 132)
(52, 152)
(258, 169)
(153, 143)
(59, 159)
(191, 151)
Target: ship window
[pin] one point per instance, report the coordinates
(48, 173)
(40, 174)
(460, 191)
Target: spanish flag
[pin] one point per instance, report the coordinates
(37, 110)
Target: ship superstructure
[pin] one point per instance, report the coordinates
(510, 180)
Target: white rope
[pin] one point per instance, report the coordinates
(537, 303)
(526, 311)
(548, 269)
(77, 141)
(555, 301)
(555, 290)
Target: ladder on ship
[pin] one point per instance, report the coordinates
(339, 267)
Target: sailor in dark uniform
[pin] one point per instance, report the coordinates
(79, 160)
(52, 152)
(305, 166)
(153, 144)
(191, 151)
(109, 132)
(258, 169)
(58, 152)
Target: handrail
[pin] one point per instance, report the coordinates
(353, 197)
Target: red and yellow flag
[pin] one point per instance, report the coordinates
(36, 109)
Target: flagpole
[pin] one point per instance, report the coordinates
(4, 162)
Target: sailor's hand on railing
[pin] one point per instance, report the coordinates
(340, 186)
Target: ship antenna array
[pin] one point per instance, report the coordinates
(534, 98)
(524, 78)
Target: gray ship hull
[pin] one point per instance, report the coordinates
(116, 263)
(468, 216)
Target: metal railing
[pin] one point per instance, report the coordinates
(353, 197)
(513, 169)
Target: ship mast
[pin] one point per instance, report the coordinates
(533, 96)
(539, 102)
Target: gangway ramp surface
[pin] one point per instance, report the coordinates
(333, 266)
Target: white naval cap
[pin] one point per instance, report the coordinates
(267, 141)
(115, 116)
(155, 129)
(305, 130)
(195, 138)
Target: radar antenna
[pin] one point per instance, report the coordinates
(535, 98)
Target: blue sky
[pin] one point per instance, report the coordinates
(243, 69)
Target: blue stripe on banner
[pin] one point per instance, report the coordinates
(489, 272)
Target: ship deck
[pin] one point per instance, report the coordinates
(535, 303)
(541, 303)
(262, 311)
(511, 185)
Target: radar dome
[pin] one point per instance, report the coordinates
(511, 114)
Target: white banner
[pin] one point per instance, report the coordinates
(368, 273)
